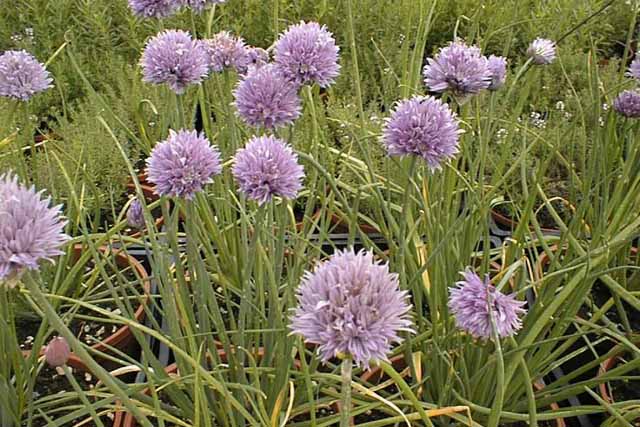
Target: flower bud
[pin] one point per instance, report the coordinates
(57, 352)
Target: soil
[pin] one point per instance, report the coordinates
(601, 294)
(51, 382)
(26, 330)
(322, 412)
(628, 389)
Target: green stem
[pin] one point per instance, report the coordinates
(345, 400)
(212, 13)
(180, 109)
(406, 390)
(276, 18)
(82, 395)
(496, 409)
(78, 349)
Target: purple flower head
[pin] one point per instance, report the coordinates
(470, 301)
(268, 167)
(307, 53)
(425, 127)
(30, 229)
(256, 58)
(634, 68)
(200, 5)
(172, 57)
(226, 51)
(351, 305)
(264, 98)
(135, 215)
(183, 164)
(21, 75)
(498, 69)
(457, 68)
(542, 51)
(628, 104)
(154, 8)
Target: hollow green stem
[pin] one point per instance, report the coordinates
(345, 400)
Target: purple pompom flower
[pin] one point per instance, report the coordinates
(264, 98)
(200, 5)
(628, 104)
(135, 215)
(268, 167)
(172, 57)
(256, 58)
(30, 229)
(422, 126)
(154, 8)
(21, 75)
(457, 68)
(634, 68)
(183, 164)
(542, 51)
(471, 301)
(498, 69)
(226, 51)
(307, 53)
(351, 305)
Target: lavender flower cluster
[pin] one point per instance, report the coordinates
(182, 165)
(479, 307)
(463, 71)
(22, 76)
(351, 306)
(627, 103)
(268, 97)
(31, 230)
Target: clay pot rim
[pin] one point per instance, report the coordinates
(607, 365)
(123, 334)
(73, 361)
(511, 223)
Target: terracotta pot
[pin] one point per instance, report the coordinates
(604, 388)
(122, 336)
(74, 361)
(124, 419)
(606, 366)
(510, 224)
(340, 222)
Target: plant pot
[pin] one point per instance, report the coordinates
(511, 225)
(340, 223)
(124, 419)
(604, 387)
(123, 336)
